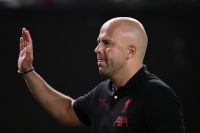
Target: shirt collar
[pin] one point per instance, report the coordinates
(132, 81)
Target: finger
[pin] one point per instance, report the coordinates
(23, 52)
(24, 36)
(21, 43)
(29, 50)
(29, 43)
(28, 37)
(23, 32)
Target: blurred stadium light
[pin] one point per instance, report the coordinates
(16, 3)
(68, 3)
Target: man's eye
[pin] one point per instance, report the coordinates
(106, 43)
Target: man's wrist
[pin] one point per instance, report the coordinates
(25, 71)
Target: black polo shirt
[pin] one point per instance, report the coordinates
(144, 105)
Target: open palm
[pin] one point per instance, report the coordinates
(25, 59)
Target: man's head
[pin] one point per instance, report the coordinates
(122, 43)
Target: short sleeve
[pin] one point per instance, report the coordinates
(163, 111)
(83, 107)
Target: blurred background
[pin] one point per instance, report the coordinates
(64, 34)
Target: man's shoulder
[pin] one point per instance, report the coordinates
(154, 81)
(148, 79)
(155, 85)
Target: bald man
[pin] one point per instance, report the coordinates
(131, 100)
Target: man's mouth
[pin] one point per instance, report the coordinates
(100, 61)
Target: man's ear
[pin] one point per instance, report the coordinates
(131, 51)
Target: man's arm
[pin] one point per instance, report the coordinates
(56, 103)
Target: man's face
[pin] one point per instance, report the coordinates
(111, 51)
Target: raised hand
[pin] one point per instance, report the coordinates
(25, 59)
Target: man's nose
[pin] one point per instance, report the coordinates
(98, 49)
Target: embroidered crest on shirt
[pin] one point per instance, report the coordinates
(126, 105)
(123, 120)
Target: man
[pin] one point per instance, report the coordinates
(132, 100)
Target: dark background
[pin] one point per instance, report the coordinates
(64, 36)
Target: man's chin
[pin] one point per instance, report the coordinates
(103, 72)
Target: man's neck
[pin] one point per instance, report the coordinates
(121, 78)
